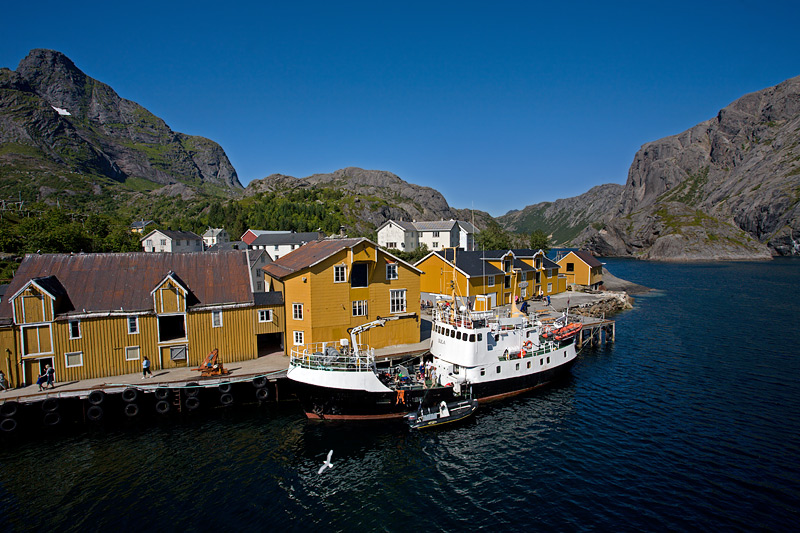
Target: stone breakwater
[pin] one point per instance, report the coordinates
(606, 303)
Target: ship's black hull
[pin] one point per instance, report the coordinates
(340, 404)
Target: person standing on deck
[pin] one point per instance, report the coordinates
(50, 374)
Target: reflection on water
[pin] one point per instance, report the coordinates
(689, 421)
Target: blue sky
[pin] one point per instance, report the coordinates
(496, 105)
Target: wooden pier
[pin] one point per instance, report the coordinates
(596, 331)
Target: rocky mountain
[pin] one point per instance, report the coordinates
(376, 196)
(564, 219)
(62, 131)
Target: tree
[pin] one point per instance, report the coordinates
(539, 241)
(493, 237)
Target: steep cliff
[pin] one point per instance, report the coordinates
(727, 188)
(61, 130)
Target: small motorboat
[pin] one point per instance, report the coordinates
(444, 413)
(567, 332)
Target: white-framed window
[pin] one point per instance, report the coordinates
(340, 273)
(74, 329)
(133, 325)
(298, 338)
(435, 233)
(391, 271)
(149, 243)
(259, 286)
(490, 281)
(265, 315)
(131, 353)
(549, 288)
(435, 244)
(216, 319)
(523, 276)
(392, 245)
(523, 292)
(297, 311)
(397, 301)
(276, 247)
(73, 359)
(163, 242)
(360, 308)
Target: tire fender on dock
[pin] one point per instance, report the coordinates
(96, 397)
(8, 425)
(162, 393)
(9, 409)
(226, 399)
(130, 394)
(191, 390)
(94, 413)
(259, 382)
(224, 388)
(262, 394)
(51, 418)
(162, 407)
(131, 410)
(50, 405)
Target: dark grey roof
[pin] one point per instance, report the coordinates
(230, 245)
(435, 225)
(176, 235)
(268, 298)
(471, 263)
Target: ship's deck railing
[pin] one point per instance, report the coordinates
(498, 319)
(332, 356)
(544, 349)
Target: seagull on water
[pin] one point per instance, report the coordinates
(327, 463)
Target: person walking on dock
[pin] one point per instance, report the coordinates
(146, 372)
(50, 374)
(3, 382)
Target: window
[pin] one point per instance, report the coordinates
(216, 319)
(507, 282)
(435, 233)
(498, 369)
(490, 281)
(340, 273)
(397, 301)
(149, 243)
(523, 292)
(391, 271)
(265, 315)
(74, 359)
(163, 242)
(360, 308)
(298, 338)
(297, 311)
(131, 353)
(483, 371)
(392, 245)
(259, 286)
(435, 244)
(359, 277)
(74, 329)
(570, 267)
(276, 247)
(133, 325)
(549, 287)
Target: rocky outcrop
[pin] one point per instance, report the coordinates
(564, 219)
(375, 195)
(53, 113)
(728, 188)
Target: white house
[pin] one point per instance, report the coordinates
(280, 244)
(164, 240)
(215, 236)
(436, 235)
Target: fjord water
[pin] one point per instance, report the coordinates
(689, 421)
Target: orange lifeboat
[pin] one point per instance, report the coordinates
(568, 331)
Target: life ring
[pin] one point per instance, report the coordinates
(224, 388)
(528, 345)
(191, 390)
(130, 394)
(94, 413)
(96, 397)
(162, 393)
(262, 394)
(9, 409)
(51, 419)
(192, 403)
(8, 425)
(131, 410)
(49, 405)
(162, 407)
(259, 382)
(226, 399)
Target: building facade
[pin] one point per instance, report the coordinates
(332, 285)
(99, 315)
(163, 240)
(436, 235)
(484, 280)
(582, 269)
(280, 244)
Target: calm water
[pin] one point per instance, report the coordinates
(690, 421)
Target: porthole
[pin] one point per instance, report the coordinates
(529, 364)
(517, 367)
(498, 369)
(483, 371)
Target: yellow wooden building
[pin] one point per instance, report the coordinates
(332, 285)
(100, 315)
(486, 279)
(581, 269)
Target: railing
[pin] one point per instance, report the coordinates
(544, 349)
(333, 357)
